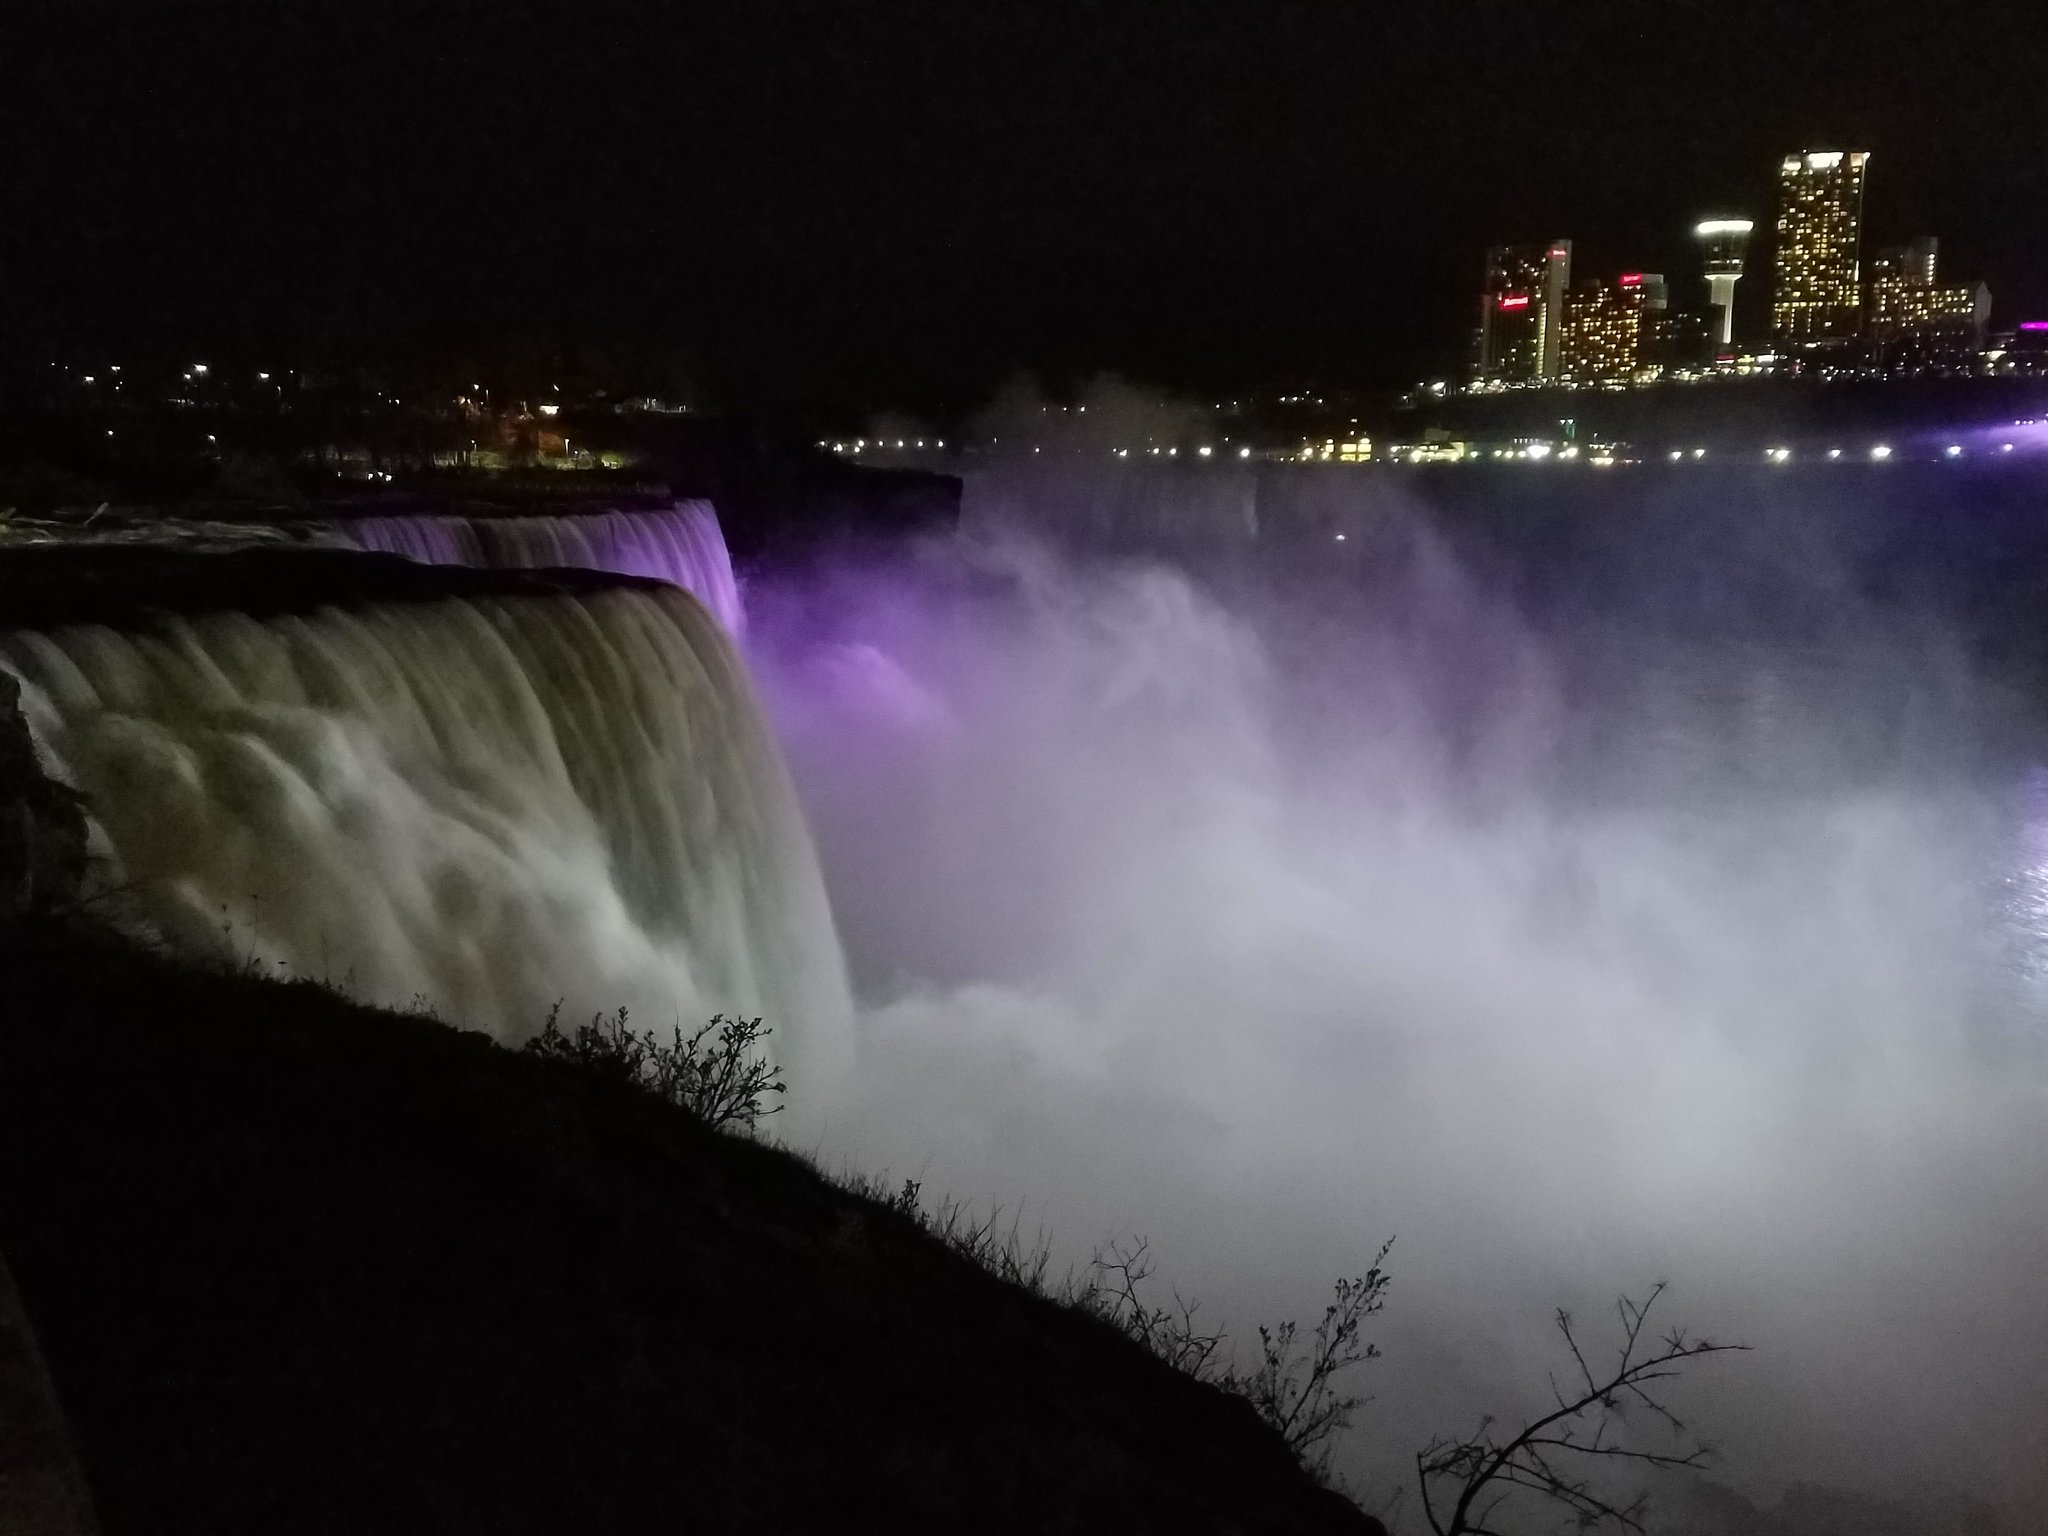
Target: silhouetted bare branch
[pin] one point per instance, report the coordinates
(1556, 1456)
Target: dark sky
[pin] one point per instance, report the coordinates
(893, 203)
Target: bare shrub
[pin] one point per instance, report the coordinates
(1113, 1292)
(716, 1073)
(1294, 1385)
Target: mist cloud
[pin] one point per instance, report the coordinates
(1274, 916)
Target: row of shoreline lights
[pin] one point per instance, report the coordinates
(1534, 452)
(1204, 452)
(861, 445)
(1537, 452)
(1878, 452)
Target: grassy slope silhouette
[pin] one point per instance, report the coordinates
(302, 1265)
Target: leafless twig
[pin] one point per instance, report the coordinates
(1557, 1455)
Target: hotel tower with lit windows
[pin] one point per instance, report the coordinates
(1607, 328)
(1521, 313)
(1816, 295)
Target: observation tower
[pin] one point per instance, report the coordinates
(1727, 241)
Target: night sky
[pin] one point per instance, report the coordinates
(851, 204)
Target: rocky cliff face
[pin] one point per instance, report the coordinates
(42, 823)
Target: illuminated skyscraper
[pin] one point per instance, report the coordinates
(1816, 296)
(1726, 241)
(1521, 313)
(1606, 336)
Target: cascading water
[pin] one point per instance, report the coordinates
(488, 803)
(680, 544)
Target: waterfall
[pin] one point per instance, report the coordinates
(680, 544)
(486, 803)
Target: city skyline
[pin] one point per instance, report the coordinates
(809, 209)
(1828, 308)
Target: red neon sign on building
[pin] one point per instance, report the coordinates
(1514, 301)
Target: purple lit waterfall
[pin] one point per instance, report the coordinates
(681, 544)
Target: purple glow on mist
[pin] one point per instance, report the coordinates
(1278, 919)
